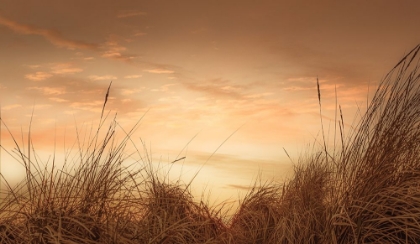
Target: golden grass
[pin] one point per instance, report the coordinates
(365, 191)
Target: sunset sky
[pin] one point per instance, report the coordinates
(197, 67)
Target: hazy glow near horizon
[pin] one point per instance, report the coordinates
(197, 67)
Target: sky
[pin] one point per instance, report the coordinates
(237, 77)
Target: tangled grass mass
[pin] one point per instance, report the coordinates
(365, 190)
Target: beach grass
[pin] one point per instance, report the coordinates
(364, 190)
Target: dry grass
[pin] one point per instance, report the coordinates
(365, 191)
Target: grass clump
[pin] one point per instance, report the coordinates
(98, 200)
(378, 173)
(85, 204)
(365, 191)
(173, 217)
(258, 218)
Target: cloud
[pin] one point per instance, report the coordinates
(241, 187)
(258, 95)
(140, 33)
(216, 88)
(75, 93)
(328, 85)
(114, 50)
(132, 76)
(131, 91)
(104, 77)
(56, 69)
(57, 99)
(38, 76)
(41, 106)
(94, 106)
(130, 13)
(164, 88)
(34, 66)
(160, 71)
(50, 90)
(339, 65)
(110, 49)
(52, 36)
(12, 106)
(65, 68)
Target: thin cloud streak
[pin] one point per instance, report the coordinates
(216, 88)
(38, 76)
(65, 68)
(160, 71)
(104, 77)
(56, 69)
(49, 90)
(12, 106)
(52, 36)
(132, 76)
(130, 13)
(113, 50)
(126, 92)
(140, 33)
(241, 187)
(57, 99)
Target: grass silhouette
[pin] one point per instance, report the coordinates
(364, 190)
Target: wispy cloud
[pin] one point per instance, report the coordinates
(41, 106)
(164, 88)
(110, 49)
(38, 76)
(94, 106)
(56, 69)
(103, 77)
(64, 68)
(132, 76)
(126, 92)
(241, 187)
(140, 33)
(49, 90)
(258, 95)
(160, 71)
(12, 106)
(217, 88)
(57, 99)
(34, 66)
(114, 50)
(130, 13)
(300, 84)
(52, 36)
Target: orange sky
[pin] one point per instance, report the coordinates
(205, 67)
